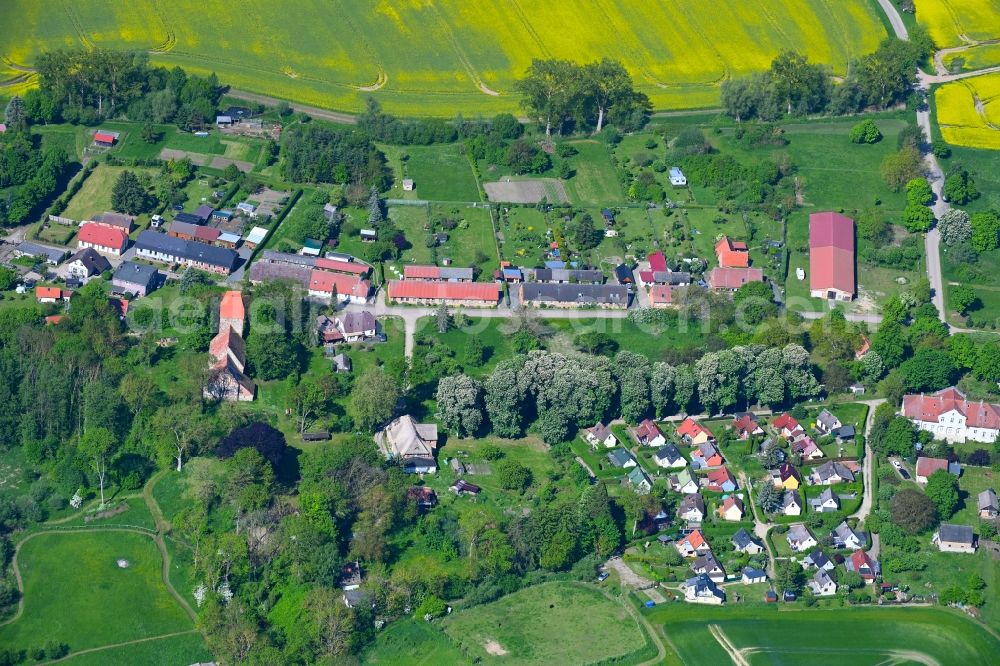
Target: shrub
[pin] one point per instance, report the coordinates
(865, 132)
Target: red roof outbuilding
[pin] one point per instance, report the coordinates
(102, 236)
(734, 278)
(831, 253)
(446, 291)
(732, 254)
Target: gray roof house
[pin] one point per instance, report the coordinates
(744, 543)
(692, 508)
(702, 590)
(831, 472)
(751, 576)
(669, 456)
(822, 585)
(574, 295)
(52, 255)
(708, 565)
(621, 458)
(86, 263)
(155, 246)
(826, 422)
(987, 504)
(845, 537)
(799, 538)
(827, 502)
(135, 278)
(955, 539)
(817, 559)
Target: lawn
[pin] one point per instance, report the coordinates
(552, 623)
(651, 343)
(774, 635)
(184, 649)
(438, 59)
(440, 173)
(413, 643)
(94, 197)
(75, 592)
(470, 243)
(595, 180)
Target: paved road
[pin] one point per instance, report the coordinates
(314, 111)
(894, 19)
(760, 528)
(869, 466)
(869, 318)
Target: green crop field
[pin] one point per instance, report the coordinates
(554, 623)
(773, 636)
(443, 56)
(75, 592)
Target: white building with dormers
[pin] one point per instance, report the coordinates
(948, 415)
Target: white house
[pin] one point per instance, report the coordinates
(408, 185)
(799, 538)
(669, 457)
(600, 435)
(677, 177)
(955, 539)
(948, 415)
(822, 585)
(701, 590)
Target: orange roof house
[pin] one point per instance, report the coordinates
(733, 278)
(732, 254)
(468, 293)
(102, 238)
(51, 294)
(694, 433)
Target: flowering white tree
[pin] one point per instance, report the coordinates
(99, 445)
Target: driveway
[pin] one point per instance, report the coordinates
(634, 580)
(869, 466)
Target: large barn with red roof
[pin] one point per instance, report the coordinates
(831, 256)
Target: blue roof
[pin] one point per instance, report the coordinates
(512, 272)
(555, 264)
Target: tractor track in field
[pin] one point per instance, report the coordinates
(122, 644)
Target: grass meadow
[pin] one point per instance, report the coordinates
(413, 643)
(442, 57)
(94, 197)
(75, 592)
(186, 648)
(772, 635)
(551, 623)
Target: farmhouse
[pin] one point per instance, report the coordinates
(731, 279)
(731, 509)
(347, 267)
(410, 442)
(648, 433)
(683, 482)
(159, 247)
(438, 274)
(600, 434)
(732, 254)
(328, 286)
(669, 456)
(744, 543)
(692, 508)
(927, 466)
(986, 502)
(954, 539)
(423, 292)
(606, 296)
(831, 256)
(85, 264)
(102, 239)
(133, 278)
(701, 590)
(948, 415)
(227, 354)
(357, 326)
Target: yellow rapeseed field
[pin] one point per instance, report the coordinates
(968, 111)
(439, 57)
(956, 22)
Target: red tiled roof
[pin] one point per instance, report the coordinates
(338, 266)
(860, 560)
(119, 304)
(647, 431)
(720, 475)
(732, 254)
(930, 407)
(691, 428)
(54, 319)
(450, 291)
(51, 292)
(746, 423)
(346, 285)
(231, 306)
(695, 538)
(104, 138)
(831, 252)
(785, 422)
(734, 278)
(421, 273)
(209, 234)
(661, 293)
(657, 262)
(927, 466)
(102, 236)
(732, 501)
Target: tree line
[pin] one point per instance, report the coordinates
(794, 86)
